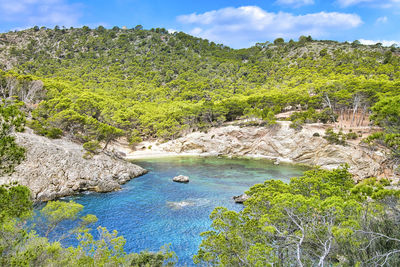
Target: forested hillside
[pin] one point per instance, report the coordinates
(99, 84)
(96, 85)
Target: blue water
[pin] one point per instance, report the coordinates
(151, 210)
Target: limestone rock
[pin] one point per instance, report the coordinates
(56, 168)
(240, 199)
(283, 143)
(181, 179)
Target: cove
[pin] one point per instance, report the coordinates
(151, 210)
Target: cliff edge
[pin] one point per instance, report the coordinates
(56, 168)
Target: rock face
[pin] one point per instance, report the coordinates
(56, 168)
(283, 144)
(181, 179)
(240, 199)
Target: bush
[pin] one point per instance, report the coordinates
(335, 138)
(297, 124)
(92, 146)
(54, 133)
(50, 132)
(351, 136)
(326, 115)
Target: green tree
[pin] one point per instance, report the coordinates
(11, 119)
(319, 219)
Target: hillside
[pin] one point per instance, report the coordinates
(100, 84)
(325, 103)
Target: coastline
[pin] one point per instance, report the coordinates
(278, 143)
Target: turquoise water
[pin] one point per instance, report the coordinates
(151, 210)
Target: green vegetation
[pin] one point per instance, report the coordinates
(312, 116)
(11, 119)
(22, 246)
(387, 114)
(335, 138)
(97, 85)
(319, 219)
(101, 84)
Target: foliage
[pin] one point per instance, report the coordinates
(22, 246)
(351, 135)
(312, 116)
(387, 114)
(335, 138)
(11, 119)
(92, 146)
(318, 219)
(100, 84)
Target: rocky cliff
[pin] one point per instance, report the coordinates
(280, 143)
(56, 168)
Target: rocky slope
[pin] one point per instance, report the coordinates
(280, 143)
(56, 168)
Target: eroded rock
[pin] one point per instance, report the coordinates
(56, 168)
(283, 143)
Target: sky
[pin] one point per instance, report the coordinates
(237, 24)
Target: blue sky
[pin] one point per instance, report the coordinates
(234, 23)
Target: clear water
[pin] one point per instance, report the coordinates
(151, 210)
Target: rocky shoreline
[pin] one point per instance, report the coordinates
(56, 168)
(279, 143)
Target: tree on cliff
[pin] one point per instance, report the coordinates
(11, 119)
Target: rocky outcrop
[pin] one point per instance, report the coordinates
(56, 168)
(181, 179)
(240, 199)
(281, 144)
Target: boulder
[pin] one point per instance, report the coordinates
(240, 199)
(181, 179)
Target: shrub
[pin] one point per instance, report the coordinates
(326, 115)
(351, 136)
(54, 133)
(335, 138)
(92, 146)
(297, 124)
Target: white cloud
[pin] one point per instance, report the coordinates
(40, 12)
(346, 3)
(383, 19)
(295, 3)
(246, 25)
(374, 3)
(383, 42)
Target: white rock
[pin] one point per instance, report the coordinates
(281, 142)
(181, 179)
(56, 168)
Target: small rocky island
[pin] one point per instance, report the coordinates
(181, 179)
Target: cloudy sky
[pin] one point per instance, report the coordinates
(234, 23)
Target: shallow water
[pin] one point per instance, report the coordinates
(151, 210)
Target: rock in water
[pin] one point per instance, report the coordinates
(181, 179)
(56, 168)
(240, 199)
